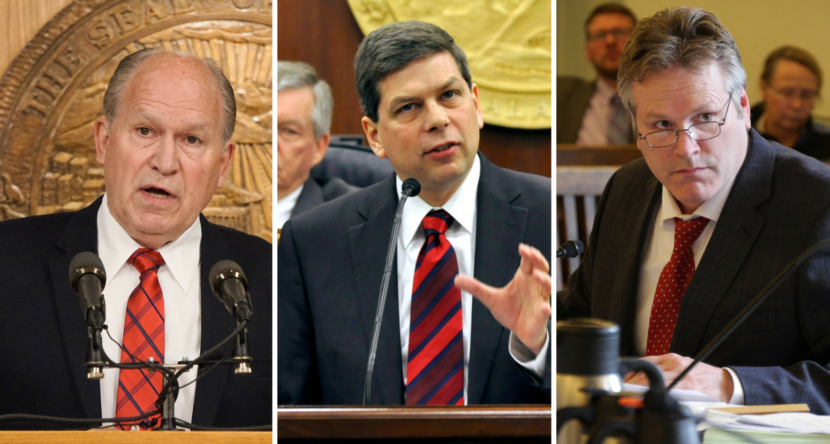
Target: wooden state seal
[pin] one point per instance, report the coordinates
(508, 45)
(54, 90)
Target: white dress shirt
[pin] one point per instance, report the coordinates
(286, 205)
(179, 280)
(462, 235)
(597, 117)
(658, 250)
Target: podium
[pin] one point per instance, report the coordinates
(378, 424)
(110, 436)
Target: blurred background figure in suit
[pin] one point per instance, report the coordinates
(790, 84)
(305, 105)
(591, 113)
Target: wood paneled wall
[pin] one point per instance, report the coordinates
(20, 20)
(324, 34)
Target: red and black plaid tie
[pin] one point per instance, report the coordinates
(435, 367)
(675, 278)
(139, 389)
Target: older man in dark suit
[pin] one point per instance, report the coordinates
(438, 344)
(685, 237)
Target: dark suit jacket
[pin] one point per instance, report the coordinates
(44, 335)
(778, 206)
(318, 191)
(331, 261)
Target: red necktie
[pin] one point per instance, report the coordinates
(673, 282)
(139, 389)
(435, 362)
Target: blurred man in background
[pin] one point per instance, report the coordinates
(592, 113)
(304, 107)
(791, 84)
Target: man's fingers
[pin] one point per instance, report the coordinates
(543, 280)
(485, 293)
(535, 258)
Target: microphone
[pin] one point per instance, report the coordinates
(410, 187)
(230, 285)
(571, 248)
(87, 279)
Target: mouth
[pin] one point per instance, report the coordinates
(157, 193)
(690, 171)
(441, 148)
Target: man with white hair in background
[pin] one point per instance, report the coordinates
(304, 108)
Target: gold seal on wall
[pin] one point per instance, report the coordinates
(53, 92)
(507, 43)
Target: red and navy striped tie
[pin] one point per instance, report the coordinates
(138, 389)
(435, 367)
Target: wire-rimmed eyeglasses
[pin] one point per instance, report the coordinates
(698, 131)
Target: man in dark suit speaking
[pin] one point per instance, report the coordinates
(684, 238)
(165, 144)
(438, 344)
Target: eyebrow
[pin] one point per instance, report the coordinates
(399, 100)
(704, 107)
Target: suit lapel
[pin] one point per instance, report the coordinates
(80, 234)
(310, 197)
(500, 227)
(217, 323)
(369, 242)
(622, 301)
(735, 233)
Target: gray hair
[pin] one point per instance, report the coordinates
(682, 37)
(130, 64)
(393, 47)
(291, 75)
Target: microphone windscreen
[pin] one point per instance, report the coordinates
(223, 270)
(413, 185)
(85, 261)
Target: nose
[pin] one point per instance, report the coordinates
(685, 146)
(436, 116)
(165, 160)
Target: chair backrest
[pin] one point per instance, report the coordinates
(348, 159)
(577, 191)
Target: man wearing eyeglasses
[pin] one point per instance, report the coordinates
(790, 84)
(684, 238)
(591, 113)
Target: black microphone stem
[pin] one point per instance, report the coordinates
(384, 285)
(757, 301)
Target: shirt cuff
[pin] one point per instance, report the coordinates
(738, 388)
(526, 358)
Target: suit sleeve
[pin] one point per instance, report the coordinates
(297, 381)
(806, 381)
(575, 301)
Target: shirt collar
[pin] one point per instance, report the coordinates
(461, 206)
(711, 209)
(115, 247)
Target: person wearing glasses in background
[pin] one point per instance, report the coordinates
(791, 84)
(591, 113)
(684, 238)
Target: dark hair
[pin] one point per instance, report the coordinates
(393, 47)
(797, 55)
(610, 8)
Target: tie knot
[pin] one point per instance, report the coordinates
(145, 259)
(686, 232)
(436, 222)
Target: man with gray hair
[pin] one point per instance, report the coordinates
(165, 145)
(304, 108)
(684, 238)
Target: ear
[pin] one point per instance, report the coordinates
(320, 146)
(225, 162)
(372, 136)
(745, 109)
(478, 107)
(101, 139)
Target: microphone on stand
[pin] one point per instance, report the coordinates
(87, 279)
(229, 284)
(571, 248)
(410, 188)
